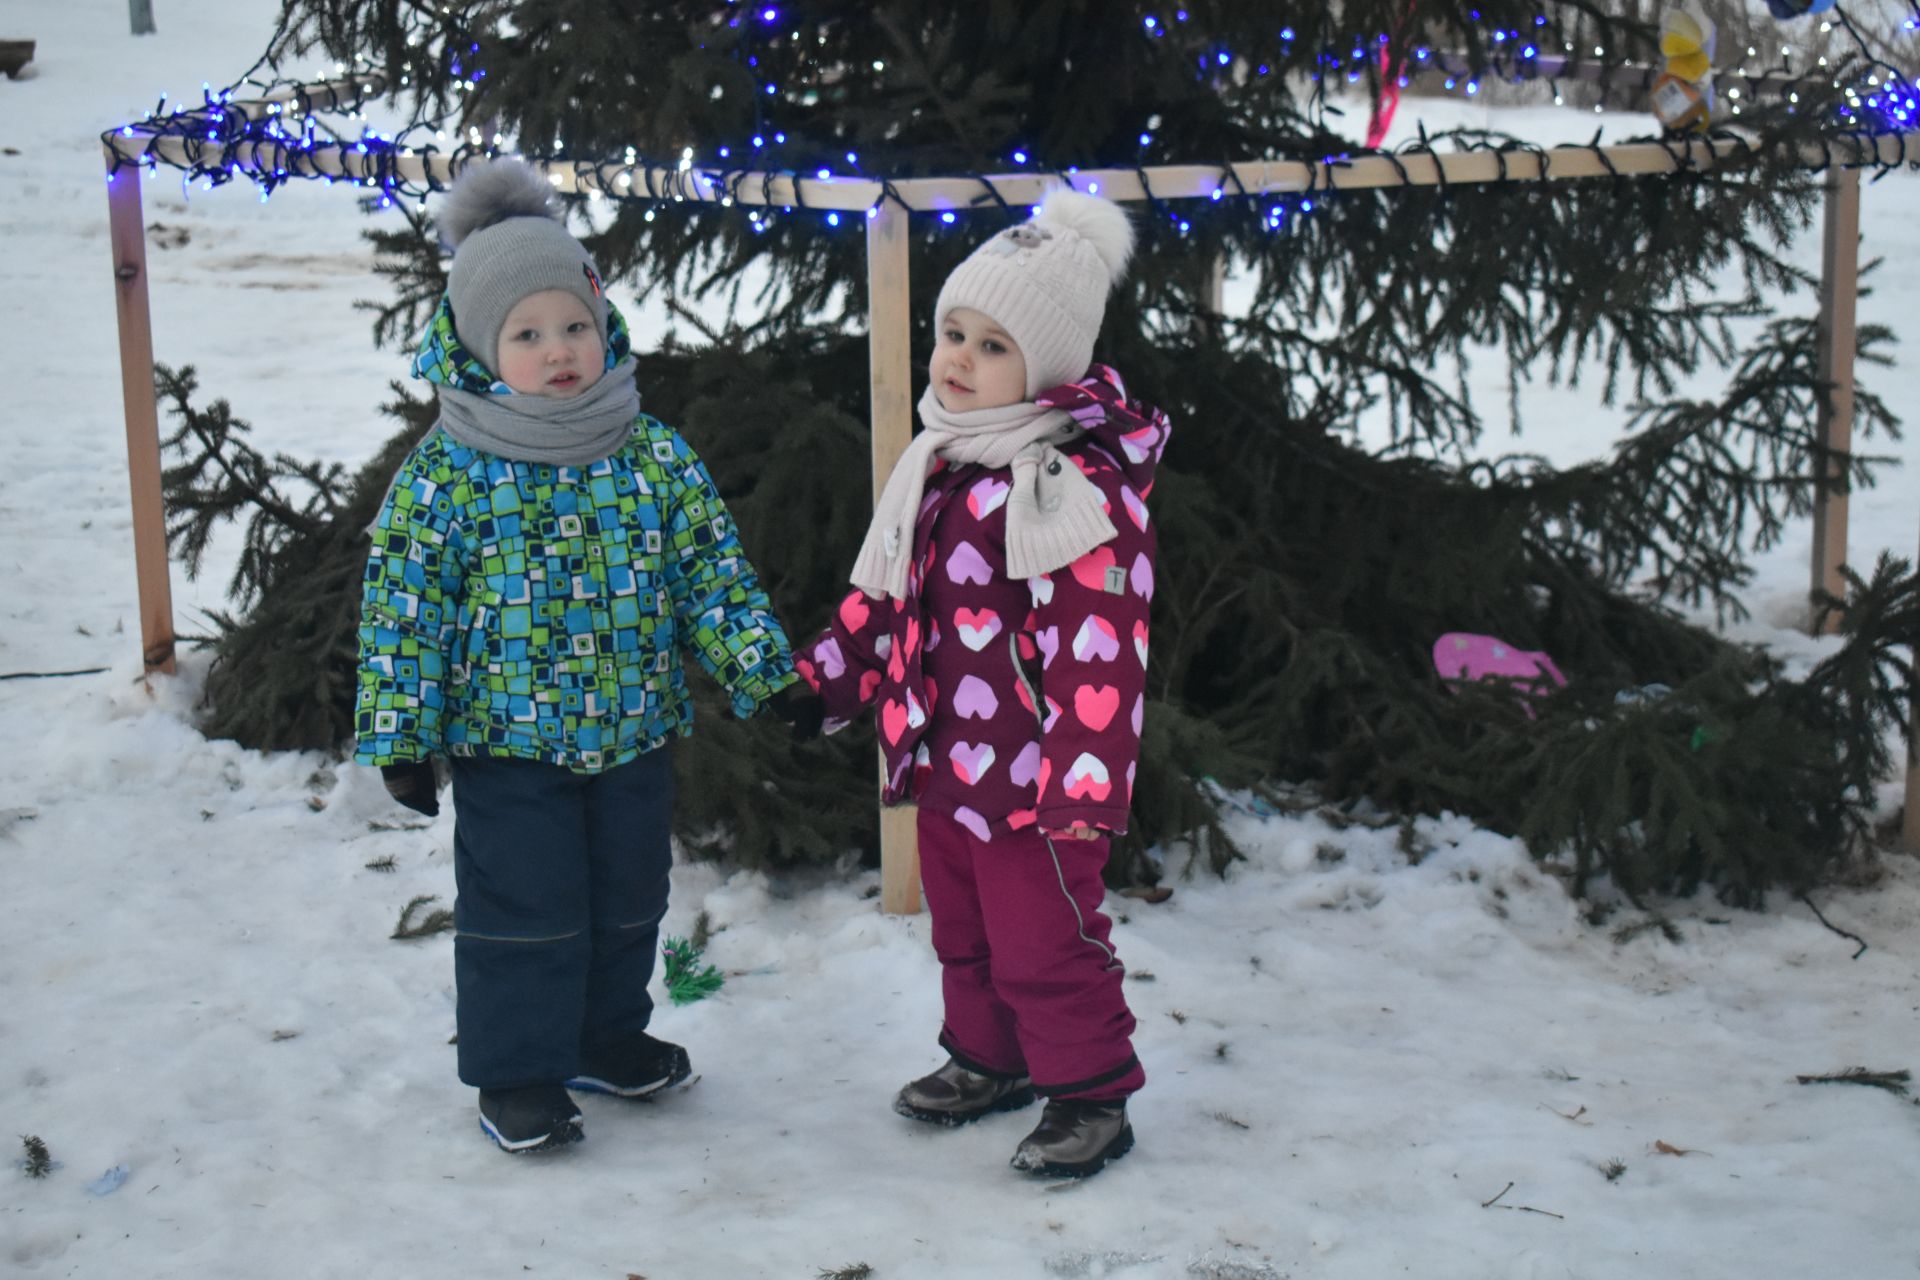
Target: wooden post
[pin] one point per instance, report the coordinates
(1839, 290)
(1910, 819)
(889, 340)
(129, 240)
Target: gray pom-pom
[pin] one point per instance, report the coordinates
(487, 193)
(1101, 223)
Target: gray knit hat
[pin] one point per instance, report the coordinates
(1046, 281)
(508, 242)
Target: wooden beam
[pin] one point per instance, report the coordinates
(889, 348)
(1839, 292)
(127, 233)
(1910, 819)
(838, 194)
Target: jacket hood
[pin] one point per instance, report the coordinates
(445, 361)
(1134, 434)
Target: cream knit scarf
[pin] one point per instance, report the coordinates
(1055, 514)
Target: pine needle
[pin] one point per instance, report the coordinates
(38, 1162)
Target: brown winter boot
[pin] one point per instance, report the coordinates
(1075, 1139)
(954, 1095)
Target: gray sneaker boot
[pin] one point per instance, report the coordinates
(1075, 1139)
(953, 1095)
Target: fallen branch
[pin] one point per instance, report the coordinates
(51, 675)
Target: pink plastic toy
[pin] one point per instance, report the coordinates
(1461, 655)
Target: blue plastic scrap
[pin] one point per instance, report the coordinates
(109, 1182)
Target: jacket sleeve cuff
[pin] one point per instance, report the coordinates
(380, 752)
(750, 696)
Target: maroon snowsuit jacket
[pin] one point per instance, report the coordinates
(1007, 702)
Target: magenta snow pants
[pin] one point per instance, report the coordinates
(1031, 984)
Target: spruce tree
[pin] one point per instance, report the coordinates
(1303, 577)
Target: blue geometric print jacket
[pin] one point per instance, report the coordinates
(537, 611)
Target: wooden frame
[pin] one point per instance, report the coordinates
(1839, 296)
(891, 370)
(128, 237)
(1910, 815)
(887, 209)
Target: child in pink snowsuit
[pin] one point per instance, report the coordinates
(999, 626)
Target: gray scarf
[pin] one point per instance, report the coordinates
(573, 432)
(1055, 514)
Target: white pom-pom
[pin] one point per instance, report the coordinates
(1101, 223)
(487, 193)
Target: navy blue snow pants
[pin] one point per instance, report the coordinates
(562, 881)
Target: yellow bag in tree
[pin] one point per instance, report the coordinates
(1683, 93)
(1686, 42)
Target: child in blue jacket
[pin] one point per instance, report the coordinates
(543, 556)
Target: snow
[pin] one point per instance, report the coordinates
(1351, 1055)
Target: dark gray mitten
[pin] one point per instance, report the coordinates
(413, 785)
(802, 709)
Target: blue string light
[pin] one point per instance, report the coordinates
(279, 149)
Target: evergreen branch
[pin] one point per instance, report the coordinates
(438, 920)
(243, 480)
(921, 72)
(1894, 1082)
(694, 318)
(410, 262)
(1695, 481)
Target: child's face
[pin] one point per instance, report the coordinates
(975, 364)
(549, 347)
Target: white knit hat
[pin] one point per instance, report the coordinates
(1046, 281)
(509, 243)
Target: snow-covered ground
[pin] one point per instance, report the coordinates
(1358, 1067)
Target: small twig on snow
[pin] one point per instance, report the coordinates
(1842, 932)
(1519, 1208)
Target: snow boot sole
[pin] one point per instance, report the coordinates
(954, 1119)
(594, 1084)
(563, 1136)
